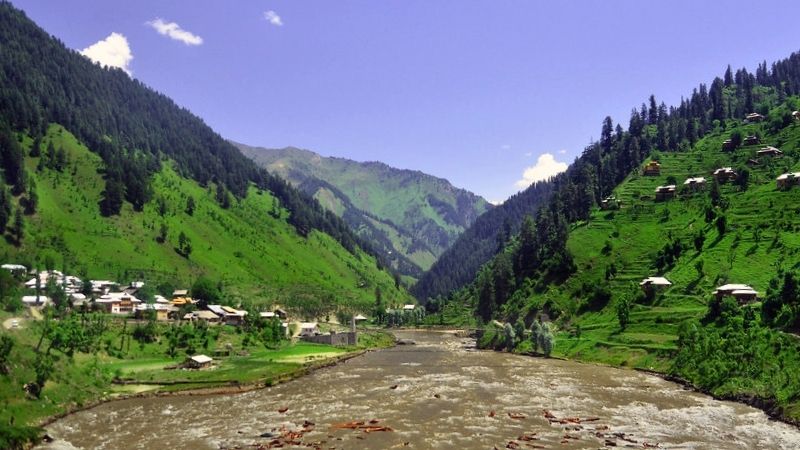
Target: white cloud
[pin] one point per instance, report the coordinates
(562, 152)
(546, 167)
(174, 31)
(273, 18)
(112, 51)
(496, 202)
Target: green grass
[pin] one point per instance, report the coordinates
(257, 257)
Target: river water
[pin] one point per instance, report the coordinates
(438, 394)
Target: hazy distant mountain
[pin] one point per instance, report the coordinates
(410, 216)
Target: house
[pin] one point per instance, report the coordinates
(35, 300)
(695, 184)
(308, 329)
(653, 283)
(15, 269)
(665, 192)
(769, 151)
(359, 318)
(409, 307)
(162, 311)
(796, 115)
(727, 145)
(608, 203)
(754, 117)
(230, 316)
(267, 315)
(653, 168)
(178, 293)
(751, 140)
(723, 174)
(787, 180)
(281, 313)
(741, 292)
(78, 299)
(198, 362)
(118, 302)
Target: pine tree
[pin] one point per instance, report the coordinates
(19, 226)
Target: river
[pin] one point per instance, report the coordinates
(438, 394)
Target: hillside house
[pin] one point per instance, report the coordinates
(751, 140)
(198, 362)
(118, 302)
(409, 307)
(308, 329)
(15, 269)
(787, 180)
(741, 292)
(651, 284)
(769, 151)
(695, 184)
(161, 311)
(228, 315)
(653, 168)
(359, 318)
(796, 115)
(609, 203)
(665, 192)
(35, 300)
(724, 174)
(727, 145)
(754, 117)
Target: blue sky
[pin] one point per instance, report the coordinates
(487, 94)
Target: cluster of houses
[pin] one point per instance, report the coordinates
(110, 297)
(743, 293)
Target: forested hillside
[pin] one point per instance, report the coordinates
(458, 265)
(408, 216)
(109, 179)
(580, 265)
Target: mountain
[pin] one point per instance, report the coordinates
(459, 264)
(578, 266)
(408, 216)
(110, 179)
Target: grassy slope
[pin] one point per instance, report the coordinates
(258, 257)
(399, 196)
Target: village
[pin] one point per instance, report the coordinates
(123, 301)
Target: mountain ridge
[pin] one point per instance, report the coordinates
(419, 214)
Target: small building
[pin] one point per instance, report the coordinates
(695, 184)
(741, 292)
(727, 145)
(198, 362)
(118, 302)
(281, 313)
(769, 151)
(35, 300)
(665, 192)
(653, 168)
(15, 269)
(724, 174)
(178, 293)
(409, 307)
(359, 318)
(787, 180)
(267, 315)
(308, 329)
(161, 311)
(609, 203)
(751, 140)
(796, 115)
(654, 283)
(754, 117)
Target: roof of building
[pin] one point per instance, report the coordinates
(180, 293)
(308, 325)
(206, 315)
(201, 359)
(13, 267)
(32, 299)
(655, 281)
(731, 288)
(359, 317)
(409, 307)
(724, 170)
(696, 180)
(667, 188)
(769, 149)
(786, 176)
(267, 314)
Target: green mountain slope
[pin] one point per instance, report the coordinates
(255, 253)
(414, 216)
(578, 267)
(123, 163)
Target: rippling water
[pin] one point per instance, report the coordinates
(446, 397)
